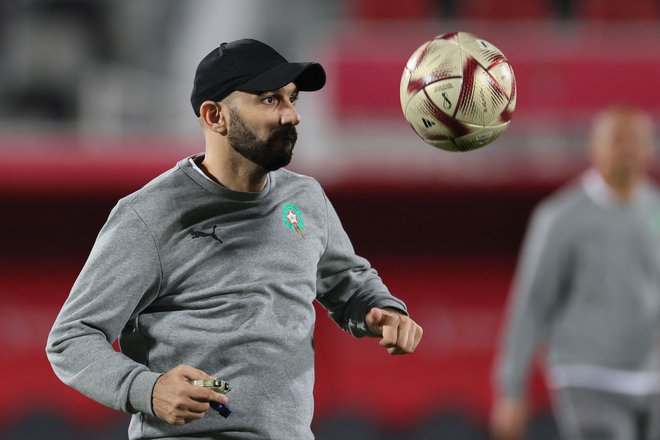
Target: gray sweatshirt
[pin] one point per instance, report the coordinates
(588, 283)
(188, 272)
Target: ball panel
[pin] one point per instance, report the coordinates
(447, 145)
(503, 74)
(451, 36)
(445, 94)
(514, 93)
(508, 111)
(479, 137)
(425, 118)
(404, 95)
(467, 109)
(485, 53)
(482, 99)
(417, 56)
(497, 99)
(437, 60)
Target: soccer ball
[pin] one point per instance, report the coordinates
(458, 92)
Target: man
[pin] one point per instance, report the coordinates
(588, 282)
(210, 271)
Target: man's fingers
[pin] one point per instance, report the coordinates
(190, 398)
(419, 332)
(177, 401)
(400, 334)
(189, 372)
(373, 319)
(219, 397)
(405, 330)
(404, 341)
(408, 336)
(183, 410)
(195, 406)
(389, 330)
(413, 334)
(202, 394)
(396, 331)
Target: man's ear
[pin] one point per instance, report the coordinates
(210, 114)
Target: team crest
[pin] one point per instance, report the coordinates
(293, 219)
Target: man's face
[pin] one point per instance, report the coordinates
(262, 126)
(622, 146)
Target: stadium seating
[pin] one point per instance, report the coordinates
(506, 10)
(392, 9)
(617, 11)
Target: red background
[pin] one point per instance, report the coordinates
(448, 252)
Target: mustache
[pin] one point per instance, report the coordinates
(288, 132)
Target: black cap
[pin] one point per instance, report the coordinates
(250, 66)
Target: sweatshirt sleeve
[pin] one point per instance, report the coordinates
(121, 276)
(347, 286)
(538, 284)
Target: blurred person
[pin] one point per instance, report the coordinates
(211, 270)
(588, 283)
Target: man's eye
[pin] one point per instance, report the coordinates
(269, 100)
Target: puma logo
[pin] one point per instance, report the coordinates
(196, 234)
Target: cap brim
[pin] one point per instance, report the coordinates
(308, 77)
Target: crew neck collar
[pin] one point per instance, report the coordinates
(601, 193)
(191, 169)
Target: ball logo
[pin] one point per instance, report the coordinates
(484, 44)
(446, 103)
(293, 219)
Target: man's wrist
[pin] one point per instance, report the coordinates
(141, 392)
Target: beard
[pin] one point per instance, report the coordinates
(272, 153)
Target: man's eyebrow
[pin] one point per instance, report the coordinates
(280, 91)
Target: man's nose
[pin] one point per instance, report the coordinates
(289, 115)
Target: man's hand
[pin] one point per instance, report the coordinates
(178, 402)
(508, 419)
(401, 335)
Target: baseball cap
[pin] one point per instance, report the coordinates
(250, 66)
